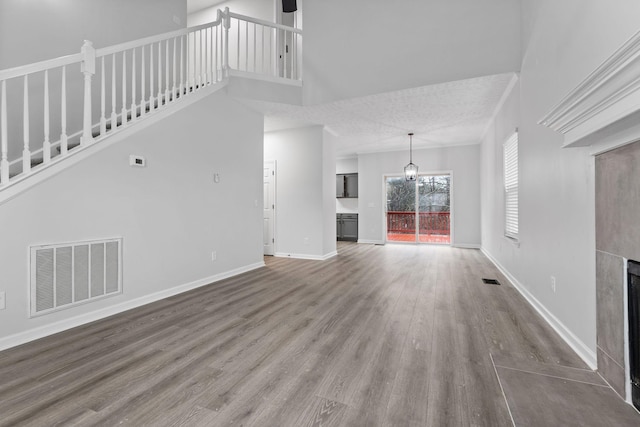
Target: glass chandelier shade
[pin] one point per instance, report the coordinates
(411, 170)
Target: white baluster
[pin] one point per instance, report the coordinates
(103, 101)
(4, 144)
(255, 45)
(114, 116)
(246, 46)
(46, 145)
(203, 58)
(238, 58)
(134, 108)
(216, 51)
(26, 153)
(212, 53)
(192, 66)
(181, 66)
(198, 57)
(271, 53)
(175, 54)
(160, 75)
(88, 69)
(227, 25)
(207, 57)
(143, 105)
(263, 52)
(123, 110)
(166, 74)
(152, 101)
(64, 143)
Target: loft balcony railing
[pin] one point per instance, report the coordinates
(428, 223)
(51, 108)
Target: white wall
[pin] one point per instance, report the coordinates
(563, 42)
(170, 214)
(32, 31)
(260, 9)
(361, 47)
(462, 161)
(303, 204)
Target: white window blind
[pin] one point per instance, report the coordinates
(511, 186)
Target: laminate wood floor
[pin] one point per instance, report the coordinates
(395, 335)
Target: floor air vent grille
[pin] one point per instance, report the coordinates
(490, 282)
(70, 274)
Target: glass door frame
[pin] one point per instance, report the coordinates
(417, 208)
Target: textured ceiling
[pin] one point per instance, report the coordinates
(452, 113)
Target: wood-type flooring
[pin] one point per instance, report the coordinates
(395, 335)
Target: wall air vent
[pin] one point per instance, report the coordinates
(490, 282)
(66, 275)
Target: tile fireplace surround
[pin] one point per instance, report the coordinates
(617, 237)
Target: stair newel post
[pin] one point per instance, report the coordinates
(64, 144)
(103, 119)
(4, 144)
(46, 145)
(88, 68)
(26, 153)
(227, 26)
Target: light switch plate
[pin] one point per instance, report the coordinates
(3, 301)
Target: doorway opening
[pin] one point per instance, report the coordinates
(419, 211)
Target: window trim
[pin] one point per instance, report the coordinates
(511, 186)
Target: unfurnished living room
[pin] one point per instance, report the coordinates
(319, 213)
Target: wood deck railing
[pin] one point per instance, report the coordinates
(428, 222)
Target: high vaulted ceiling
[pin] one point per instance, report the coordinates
(452, 113)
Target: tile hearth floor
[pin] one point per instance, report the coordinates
(544, 394)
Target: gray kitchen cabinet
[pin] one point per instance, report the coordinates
(347, 185)
(347, 227)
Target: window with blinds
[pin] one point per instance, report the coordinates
(511, 186)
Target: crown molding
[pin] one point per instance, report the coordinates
(597, 111)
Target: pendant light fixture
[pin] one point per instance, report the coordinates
(411, 170)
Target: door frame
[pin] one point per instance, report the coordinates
(451, 205)
(275, 204)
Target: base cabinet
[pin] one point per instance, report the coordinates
(347, 227)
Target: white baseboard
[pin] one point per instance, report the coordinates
(585, 353)
(307, 256)
(372, 242)
(466, 245)
(63, 325)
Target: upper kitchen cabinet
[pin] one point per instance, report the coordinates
(347, 185)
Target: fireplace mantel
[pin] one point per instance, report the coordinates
(603, 111)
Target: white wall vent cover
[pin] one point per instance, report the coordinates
(66, 275)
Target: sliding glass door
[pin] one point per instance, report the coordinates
(419, 211)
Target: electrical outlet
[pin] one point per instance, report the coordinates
(214, 255)
(553, 284)
(3, 301)
(306, 240)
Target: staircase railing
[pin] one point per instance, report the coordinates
(122, 84)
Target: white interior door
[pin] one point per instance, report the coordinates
(269, 207)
